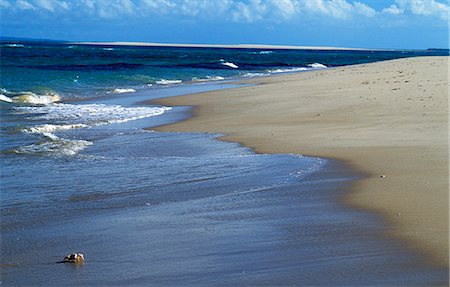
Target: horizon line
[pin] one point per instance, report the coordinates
(209, 45)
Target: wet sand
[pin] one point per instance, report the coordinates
(193, 211)
(388, 120)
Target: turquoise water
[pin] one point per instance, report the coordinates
(80, 174)
(82, 71)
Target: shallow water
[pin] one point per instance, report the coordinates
(169, 209)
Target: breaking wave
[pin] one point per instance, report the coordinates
(168, 82)
(122, 91)
(288, 70)
(28, 98)
(64, 117)
(230, 64)
(49, 128)
(90, 115)
(208, 78)
(53, 145)
(14, 45)
(317, 66)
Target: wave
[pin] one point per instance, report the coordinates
(250, 74)
(263, 52)
(53, 145)
(317, 66)
(89, 115)
(168, 82)
(15, 46)
(208, 78)
(65, 117)
(313, 66)
(49, 128)
(122, 91)
(226, 65)
(231, 65)
(289, 70)
(6, 99)
(28, 98)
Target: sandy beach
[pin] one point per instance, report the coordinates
(221, 46)
(387, 120)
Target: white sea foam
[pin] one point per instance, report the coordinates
(69, 116)
(4, 98)
(52, 145)
(230, 64)
(50, 136)
(298, 69)
(264, 52)
(48, 128)
(33, 99)
(317, 66)
(168, 82)
(254, 75)
(89, 115)
(122, 91)
(108, 49)
(29, 98)
(288, 70)
(208, 78)
(15, 45)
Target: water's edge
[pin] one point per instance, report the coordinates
(250, 238)
(339, 166)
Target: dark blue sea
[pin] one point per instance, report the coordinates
(81, 172)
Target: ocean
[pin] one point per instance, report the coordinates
(82, 171)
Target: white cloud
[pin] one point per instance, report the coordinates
(425, 8)
(204, 8)
(46, 4)
(159, 4)
(393, 9)
(364, 10)
(252, 11)
(105, 9)
(337, 9)
(284, 8)
(49, 5)
(242, 13)
(89, 4)
(24, 5)
(126, 5)
(4, 4)
(234, 10)
(64, 5)
(249, 11)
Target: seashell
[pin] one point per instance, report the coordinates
(74, 258)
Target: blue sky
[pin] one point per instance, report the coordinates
(346, 23)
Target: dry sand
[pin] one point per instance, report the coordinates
(387, 118)
(235, 46)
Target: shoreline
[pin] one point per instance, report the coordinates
(382, 119)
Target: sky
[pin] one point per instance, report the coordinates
(398, 24)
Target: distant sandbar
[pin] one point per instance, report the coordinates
(234, 46)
